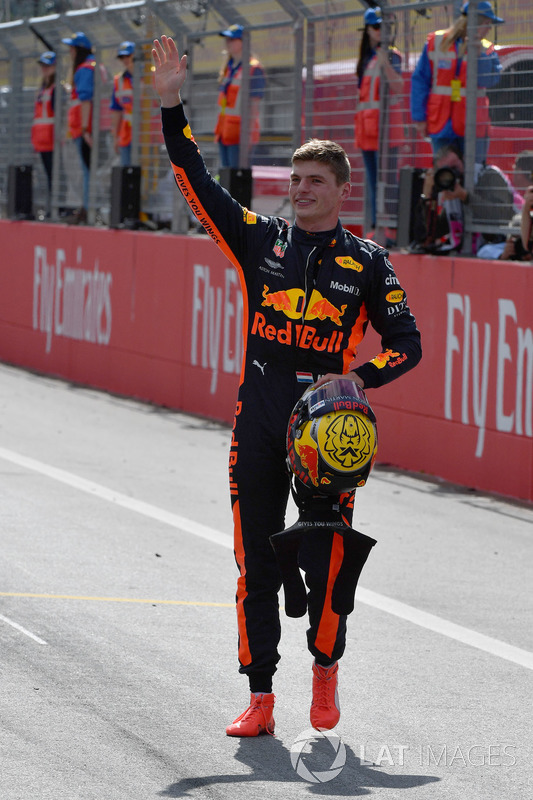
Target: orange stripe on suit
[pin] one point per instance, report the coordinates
(329, 622)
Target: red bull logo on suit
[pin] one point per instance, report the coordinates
(291, 303)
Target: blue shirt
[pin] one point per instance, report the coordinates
(84, 81)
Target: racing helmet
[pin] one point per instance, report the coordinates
(332, 438)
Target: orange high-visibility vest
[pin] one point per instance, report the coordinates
(228, 127)
(74, 111)
(42, 129)
(367, 111)
(447, 99)
(123, 87)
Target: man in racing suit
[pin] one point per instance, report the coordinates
(309, 291)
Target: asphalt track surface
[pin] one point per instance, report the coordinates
(118, 636)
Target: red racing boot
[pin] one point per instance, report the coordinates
(257, 719)
(325, 708)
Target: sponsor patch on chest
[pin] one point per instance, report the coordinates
(345, 287)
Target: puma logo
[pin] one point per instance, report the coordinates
(256, 363)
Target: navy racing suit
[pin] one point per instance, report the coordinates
(307, 301)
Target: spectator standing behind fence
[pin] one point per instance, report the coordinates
(81, 111)
(526, 226)
(122, 104)
(230, 101)
(438, 85)
(374, 65)
(42, 129)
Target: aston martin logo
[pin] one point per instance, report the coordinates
(274, 264)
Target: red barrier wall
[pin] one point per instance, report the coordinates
(158, 317)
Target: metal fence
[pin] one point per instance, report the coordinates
(309, 52)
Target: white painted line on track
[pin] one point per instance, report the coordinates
(22, 630)
(123, 500)
(439, 625)
(423, 619)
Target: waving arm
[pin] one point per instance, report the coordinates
(170, 71)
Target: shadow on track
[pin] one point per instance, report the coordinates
(270, 760)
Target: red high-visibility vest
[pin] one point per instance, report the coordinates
(228, 127)
(123, 88)
(42, 129)
(367, 111)
(74, 111)
(447, 99)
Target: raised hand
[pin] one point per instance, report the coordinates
(170, 71)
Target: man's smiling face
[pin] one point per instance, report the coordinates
(316, 196)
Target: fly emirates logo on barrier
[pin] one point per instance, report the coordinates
(216, 340)
(488, 360)
(70, 301)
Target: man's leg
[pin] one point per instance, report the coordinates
(259, 486)
(321, 558)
